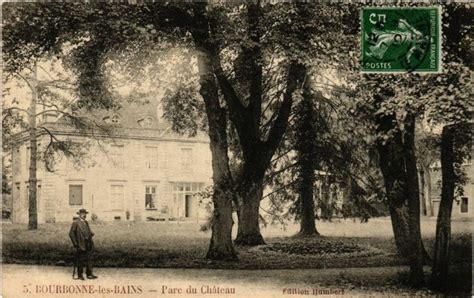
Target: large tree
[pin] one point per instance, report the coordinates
(306, 134)
(452, 108)
(96, 30)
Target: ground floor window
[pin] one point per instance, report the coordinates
(464, 205)
(75, 194)
(150, 197)
(117, 196)
(185, 203)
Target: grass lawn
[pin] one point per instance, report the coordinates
(344, 244)
(182, 245)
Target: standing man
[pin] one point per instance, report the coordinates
(81, 237)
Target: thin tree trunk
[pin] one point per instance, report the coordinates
(248, 232)
(427, 190)
(443, 225)
(412, 187)
(421, 180)
(32, 195)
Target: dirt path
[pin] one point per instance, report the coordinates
(51, 281)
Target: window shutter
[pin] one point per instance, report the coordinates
(75, 194)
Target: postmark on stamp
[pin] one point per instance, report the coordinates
(400, 39)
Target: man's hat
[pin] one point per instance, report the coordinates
(82, 211)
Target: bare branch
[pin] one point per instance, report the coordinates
(54, 83)
(56, 111)
(17, 109)
(273, 174)
(280, 189)
(45, 71)
(32, 88)
(281, 155)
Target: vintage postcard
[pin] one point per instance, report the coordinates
(237, 149)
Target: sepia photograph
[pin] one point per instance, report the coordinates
(237, 148)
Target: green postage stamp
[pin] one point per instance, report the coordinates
(401, 39)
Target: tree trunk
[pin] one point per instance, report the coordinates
(401, 231)
(221, 247)
(443, 224)
(347, 190)
(246, 118)
(306, 135)
(325, 204)
(421, 180)
(427, 190)
(248, 232)
(392, 165)
(416, 255)
(32, 194)
(306, 191)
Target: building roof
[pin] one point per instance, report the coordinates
(142, 120)
(132, 113)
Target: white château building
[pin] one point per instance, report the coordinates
(144, 172)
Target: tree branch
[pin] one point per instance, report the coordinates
(253, 58)
(32, 88)
(17, 109)
(280, 189)
(46, 72)
(296, 75)
(56, 111)
(54, 83)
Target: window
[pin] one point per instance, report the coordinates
(75, 195)
(186, 159)
(116, 154)
(150, 197)
(464, 205)
(116, 197)
(151, 157)
(146, 122)
(185, 204)
(115, 119)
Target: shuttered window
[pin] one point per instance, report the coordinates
(464, 205)
(75, 195)
(117, 197)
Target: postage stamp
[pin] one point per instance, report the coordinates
(400, 39)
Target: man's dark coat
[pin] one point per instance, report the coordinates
(81, 235)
